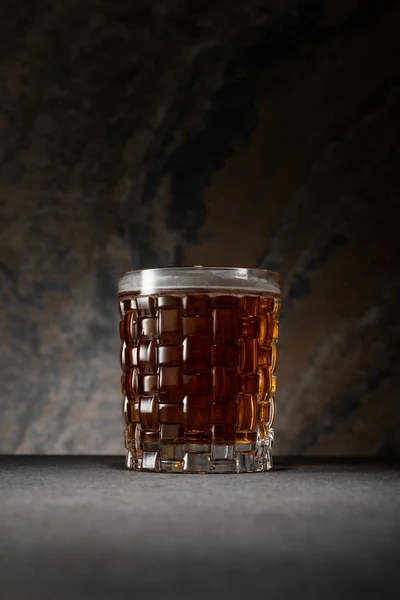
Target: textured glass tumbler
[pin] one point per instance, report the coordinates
(199, 356)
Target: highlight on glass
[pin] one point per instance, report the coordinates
(199, 356)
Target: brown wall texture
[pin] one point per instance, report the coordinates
(137, 134)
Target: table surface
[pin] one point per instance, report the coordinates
(84, 527)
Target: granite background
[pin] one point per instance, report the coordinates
(137, 134)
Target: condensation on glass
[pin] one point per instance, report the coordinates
(199, 357)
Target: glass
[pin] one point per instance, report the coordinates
(199, 356)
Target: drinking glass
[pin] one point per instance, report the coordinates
(199, 356)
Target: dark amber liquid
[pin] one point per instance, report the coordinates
(197, 368)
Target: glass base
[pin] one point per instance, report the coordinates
(203, 458)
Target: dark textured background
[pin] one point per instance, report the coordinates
(240, 133)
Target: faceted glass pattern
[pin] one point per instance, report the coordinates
(199, 380)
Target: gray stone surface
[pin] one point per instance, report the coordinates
(83, 527)
(137, 134)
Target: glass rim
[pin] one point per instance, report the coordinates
(237, 279)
